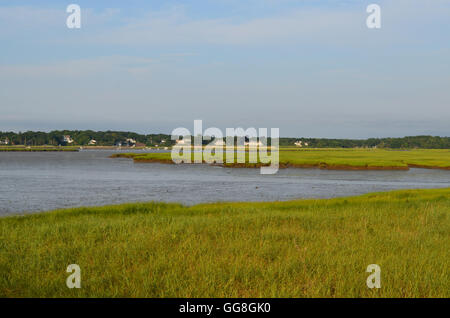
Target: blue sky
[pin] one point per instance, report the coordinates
(310, 68)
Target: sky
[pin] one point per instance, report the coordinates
(310, 68)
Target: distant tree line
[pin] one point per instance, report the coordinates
(425, 142)
(113, 138)
(83, 137)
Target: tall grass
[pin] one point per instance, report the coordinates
(338, 158)
(305, 248)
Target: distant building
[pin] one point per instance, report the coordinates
(4, 142)
(219, 142)
(67, 139)
(300, 143)
(131, 141)
(92, 142)
(181, 142)
(253, 143)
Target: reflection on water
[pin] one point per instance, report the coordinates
(44, 181)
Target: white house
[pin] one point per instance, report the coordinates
(181, 142)
(253, 143)
(67, 139)
(92, 142)
(219, 142)
(299, 143)
(4, 142)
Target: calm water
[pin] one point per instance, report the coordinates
(42, 181)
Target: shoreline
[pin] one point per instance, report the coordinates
(284, 165)
(38, 149)
(345, 198)
(22, 148)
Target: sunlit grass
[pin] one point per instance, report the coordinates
(338, 158)
(304, 248)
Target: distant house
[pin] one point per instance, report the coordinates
(131, 141)
(67, 139)
(253, 143)
(300, 143)
(92, 142)
(219, 142)
(4, 142)
(181, 142)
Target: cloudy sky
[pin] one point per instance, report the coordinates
(311, 68)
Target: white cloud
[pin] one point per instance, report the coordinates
(176, 28)
(396, 72)
(308, 25)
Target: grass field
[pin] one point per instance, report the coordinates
(305, 248)
(338, 158)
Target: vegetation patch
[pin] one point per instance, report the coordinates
(337, 159)
(303, 248)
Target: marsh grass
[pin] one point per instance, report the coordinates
(305, 248)
(337, 158)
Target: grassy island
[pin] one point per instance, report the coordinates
(330, 158)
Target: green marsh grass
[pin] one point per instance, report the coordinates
(338, 158)
(303, 248)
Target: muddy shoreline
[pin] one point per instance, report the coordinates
(323, 166)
